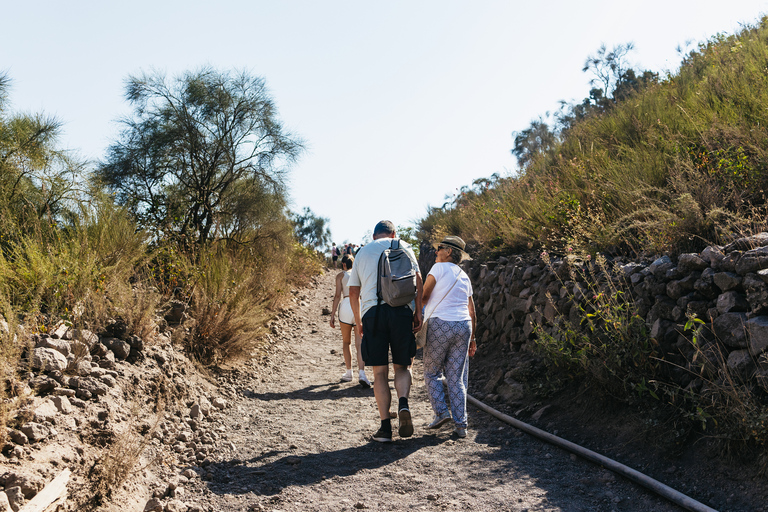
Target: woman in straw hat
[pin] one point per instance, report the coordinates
(450, 339)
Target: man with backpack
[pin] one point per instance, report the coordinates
(384, 284)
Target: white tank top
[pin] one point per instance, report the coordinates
(345, 284)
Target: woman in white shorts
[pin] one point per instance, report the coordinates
(347, 321)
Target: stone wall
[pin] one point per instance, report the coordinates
(725, 286)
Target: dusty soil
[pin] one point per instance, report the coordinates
(302, 442)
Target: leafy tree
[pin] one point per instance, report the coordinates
(615, 81)
(202, 156)
(608, 66)
(534, 140)
(311, 230)
(408, 235)
(37, 180)
(629, 82)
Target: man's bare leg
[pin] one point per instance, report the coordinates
(381, 390)
(403, 379)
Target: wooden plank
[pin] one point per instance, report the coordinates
(51, 493)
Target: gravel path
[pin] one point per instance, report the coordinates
(302, 442)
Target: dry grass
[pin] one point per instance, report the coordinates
(124, 451)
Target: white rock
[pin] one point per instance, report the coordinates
(60, 345)
(62, 403)
(219, 403)
(46, 411)
(185, 437)
(175, 506)
(5, 505)
(35, 431)
(154, 505)
(48, 359)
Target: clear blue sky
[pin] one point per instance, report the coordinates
(400, 102)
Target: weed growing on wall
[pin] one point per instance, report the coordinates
(604, 338)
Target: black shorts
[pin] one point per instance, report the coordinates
(393, 331)
(335, 258)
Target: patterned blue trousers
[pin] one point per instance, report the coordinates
(446, 351)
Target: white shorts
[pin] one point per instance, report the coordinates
(346, 316)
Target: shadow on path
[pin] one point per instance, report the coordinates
(267, 475)
(330, 391)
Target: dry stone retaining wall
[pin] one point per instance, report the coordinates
(725, 286)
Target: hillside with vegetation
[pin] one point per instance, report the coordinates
(185, 218)
(645, 164)
(647, 172)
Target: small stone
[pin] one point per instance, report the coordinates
(120, 348)
(175, 506)
(64, 392)
(5, 505)
(18, 437)
(219, 403)
(35, 431)
(29, 484)
(15, 497)
(154, 505)
(45, 412)
(48, 359)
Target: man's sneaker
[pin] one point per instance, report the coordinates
(364, 382)
(347, 377)
(461, 432)
(406, 425)
(440, 420)
(383, 436)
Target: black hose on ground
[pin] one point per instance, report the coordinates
(659, 488)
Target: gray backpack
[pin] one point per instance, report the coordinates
(396, 283)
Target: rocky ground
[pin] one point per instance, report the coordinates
(280, 432)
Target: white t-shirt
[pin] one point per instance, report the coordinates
(453, 307)
(366, 266)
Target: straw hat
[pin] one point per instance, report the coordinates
(456, 244)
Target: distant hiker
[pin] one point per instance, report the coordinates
(348, 249)
(335, 254)
(450, 339)
(347, 321)
(385, 329)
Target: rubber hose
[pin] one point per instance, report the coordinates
(659, 488)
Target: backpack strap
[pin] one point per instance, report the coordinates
(378, 282)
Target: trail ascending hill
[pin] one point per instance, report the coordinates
(301, 441)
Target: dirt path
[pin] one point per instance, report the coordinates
(302, 442)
